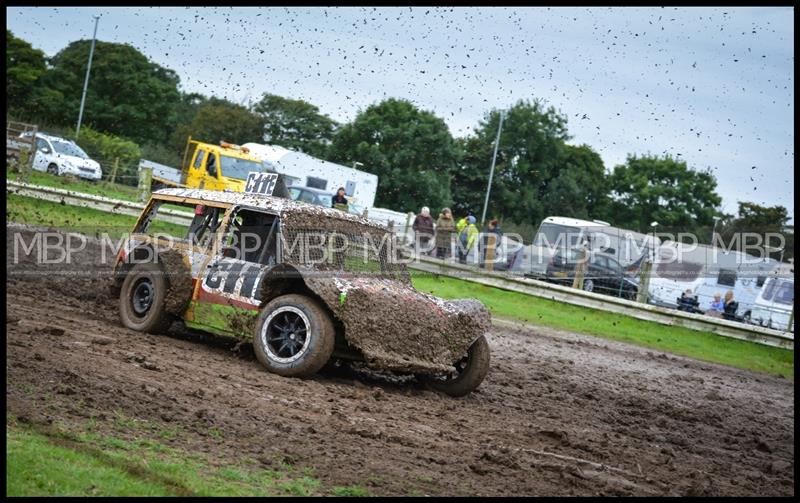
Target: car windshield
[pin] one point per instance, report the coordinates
(325, 200)
(238, 168)
(68, 148)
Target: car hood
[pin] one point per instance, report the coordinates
(78, 161)
(398, 328)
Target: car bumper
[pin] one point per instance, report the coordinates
(89, 175)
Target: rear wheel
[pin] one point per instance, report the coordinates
(294, 336)
(588, 285)
(469, 371)
(142, 304)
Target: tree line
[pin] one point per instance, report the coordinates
(418, 161)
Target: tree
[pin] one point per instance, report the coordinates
(219, 120)
(760, 220)
(536, 174)
(665, 190)
(295, 124)
(411, 151)
(24, 67)
(128, 95)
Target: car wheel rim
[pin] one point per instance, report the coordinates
(52, 170)
(142, 298)
(460, 366)
(285, 335)
(588, 286)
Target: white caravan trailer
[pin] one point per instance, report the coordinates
(558, 232)
(773, 306)
(304, 170)
(706, 270)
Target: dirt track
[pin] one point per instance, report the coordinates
(558, 414)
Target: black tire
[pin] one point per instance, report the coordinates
(472, 369)
(588, 285)
(142, 299)
(53, 169)
(279, 344)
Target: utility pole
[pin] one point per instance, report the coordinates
(714, 230)
(86, 80)
(491, 171)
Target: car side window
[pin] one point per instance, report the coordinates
(211, 165)
(253, 237)
(41, 144)
(600, 262)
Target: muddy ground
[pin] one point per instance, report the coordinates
(559, 413)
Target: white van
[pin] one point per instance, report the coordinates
(706, 270)
(304, 170)
(773, 306)
(59, 156)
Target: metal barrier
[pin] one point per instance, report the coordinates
(524, 286)
(615, 305)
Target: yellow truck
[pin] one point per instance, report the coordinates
(212, 167)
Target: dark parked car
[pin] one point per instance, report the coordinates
(603, 273)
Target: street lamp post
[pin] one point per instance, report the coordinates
(491, 171)
(86, 80)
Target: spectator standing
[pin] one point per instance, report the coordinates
(423, 229)
(445, 227)
(461, 224)
(466, 239)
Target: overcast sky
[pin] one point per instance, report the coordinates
(713, 86)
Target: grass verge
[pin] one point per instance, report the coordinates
(78, 462)
(679, 340)
(89, 221)
(104, 189)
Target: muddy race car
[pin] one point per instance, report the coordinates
(308, 286)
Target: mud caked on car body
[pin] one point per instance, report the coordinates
(305, 283)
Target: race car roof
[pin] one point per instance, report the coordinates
(278, 205)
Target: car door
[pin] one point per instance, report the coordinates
(229, 296)
(194, 175)
(598, 272)
(616, 279)
(213, 172)
(44, 152)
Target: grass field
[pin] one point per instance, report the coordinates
(89, 221)
(683, 341)
(678, 340)
(77, 461)
(104, 189)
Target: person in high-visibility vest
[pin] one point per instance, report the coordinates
(461, 224)
(466, 239)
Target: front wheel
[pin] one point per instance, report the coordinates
(470, 371)
(53, 169)
(142, 300)
(294, 336)
(588, 285)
